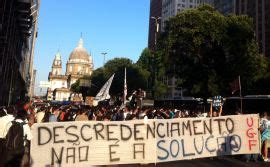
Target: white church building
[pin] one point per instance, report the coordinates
(79, 64)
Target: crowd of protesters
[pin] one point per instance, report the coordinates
(28, 114)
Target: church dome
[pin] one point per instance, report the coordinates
(80, 54)
(80, 61)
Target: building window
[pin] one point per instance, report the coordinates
(70, 68)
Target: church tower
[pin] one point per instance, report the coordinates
(57, 64)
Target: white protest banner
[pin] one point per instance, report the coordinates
(140, 141)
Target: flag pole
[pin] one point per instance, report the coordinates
(125, 88)
(241, 100)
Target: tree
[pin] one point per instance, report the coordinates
(145, 60)
(152, 62)
(208, 51)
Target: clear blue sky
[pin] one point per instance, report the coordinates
(118, 27)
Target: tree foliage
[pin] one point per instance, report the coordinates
(207, 51)
(152, 62)
(146, 59)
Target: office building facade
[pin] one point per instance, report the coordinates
(17, 18)
(259, 10)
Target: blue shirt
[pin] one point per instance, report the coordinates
(53, 118)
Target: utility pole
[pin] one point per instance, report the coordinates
(104, 55)
(154, 58)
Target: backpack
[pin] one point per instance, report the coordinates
(15, 138)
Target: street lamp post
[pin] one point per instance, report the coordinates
(155, 48)
(157, 27)
(104, 55)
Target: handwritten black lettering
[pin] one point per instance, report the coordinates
(135, 151)
(59, 158)
(55, 134)
(158, 130)
(186, 126)
(137, 131)
(83, 149)
(127, 131)
(151, 130)
(98, 131)
(72, 155)
(113, 152)
(184, 150)
(72, 134)
(109, 132)
(40, 131)
(195, 127)
(208, 127)
(83, 134)
(175, 127)
(219, 124)
(229, 125)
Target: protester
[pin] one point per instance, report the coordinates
(265, 134)
(6, 116)
(102, 113)
(54, 115)
(5, 119)
(82, 116)
(47, 115)
(40, 115)
(17, 139)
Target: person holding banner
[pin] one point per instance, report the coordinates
(265, 130)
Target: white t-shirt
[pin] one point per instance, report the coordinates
(26, 129)
(4, 124)
(40, 116)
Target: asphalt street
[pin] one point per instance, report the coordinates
(206, 162)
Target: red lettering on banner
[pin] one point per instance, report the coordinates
(250, 124)
(250, 143)
(251, 134)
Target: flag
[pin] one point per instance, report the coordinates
(103, 94)
(125, 88)
(235, 85)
